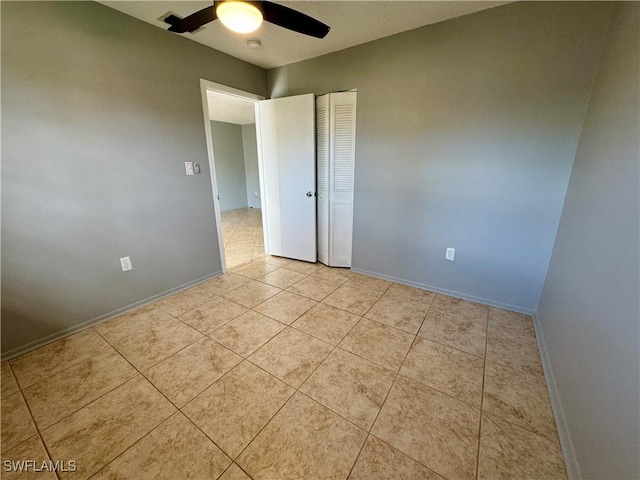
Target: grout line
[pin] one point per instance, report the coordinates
(375, 420)
(484, 375)
(98, 352)
(404, 454)
(33, 422)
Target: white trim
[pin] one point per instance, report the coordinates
(206, 85)
(452, 293)
(263, 203)
(41, 342)
(568, 450)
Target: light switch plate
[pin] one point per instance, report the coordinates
(188, 167)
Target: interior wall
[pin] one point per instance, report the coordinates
(99, 113)
(466, 133)
(250, 148)
(229, 159)
(589, 314)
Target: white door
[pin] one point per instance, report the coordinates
(335, 161)
(322, 176)
(287, 173)
(342, 135)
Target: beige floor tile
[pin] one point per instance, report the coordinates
(373, 284)
(304, 440)
(213, 314)
(277, 261)
(402, 314)
(243, 240)
(30, 450)
(350, 386)
(459, 308)
(291, 356)
(354, 300)
(508, 451)
(246, 227)
(432, 428)
(185, 300)
(224, 283)
(16, 422)
(54, 357)
(176, 449)
(239, 259)
(255, 269)
(65, 392)
(511, 341)
(376, 342)
(234, 409)
(147, 338)
(519, 398)
(257, 252)
(232, 247)
(102, 430)
(140, 318)
(245, 334)
(188, 372)
(252, 294)
(313, 287)
(448, 370)
(303, 267)
(326, 323)
(234, 472)
(513, 322)
(380, 461)
(9, 384)
(285, 307)
(282, 277)
(334, 275)
(458, 324)
(398, 291)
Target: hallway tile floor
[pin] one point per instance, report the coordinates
(243, 237)
(287, 370)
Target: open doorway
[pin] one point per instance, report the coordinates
(230, 123)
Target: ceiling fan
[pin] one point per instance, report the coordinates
(246, 16)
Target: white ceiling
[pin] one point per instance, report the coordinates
(351, 22)
(226, 108)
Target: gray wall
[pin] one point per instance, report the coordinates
(250, 147)
(466, 133)
(229, 159)
(99, 113)
(589, 312)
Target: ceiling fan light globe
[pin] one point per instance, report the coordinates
(240, 17)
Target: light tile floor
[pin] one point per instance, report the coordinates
(287, 370)
(243, 237)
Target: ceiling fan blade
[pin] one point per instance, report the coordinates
(193, 21)
(293, 20)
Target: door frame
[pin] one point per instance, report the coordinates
(205, 86)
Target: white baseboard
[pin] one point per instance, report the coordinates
(568, 451)
(102, 318)
(452, 293)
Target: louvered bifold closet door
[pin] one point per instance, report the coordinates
(342, 136)
(322, 176)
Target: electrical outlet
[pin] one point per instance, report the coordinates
(451, 253)
(196, 168)
(125, 262)
(188, 167)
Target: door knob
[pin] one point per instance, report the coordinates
(309, 194)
